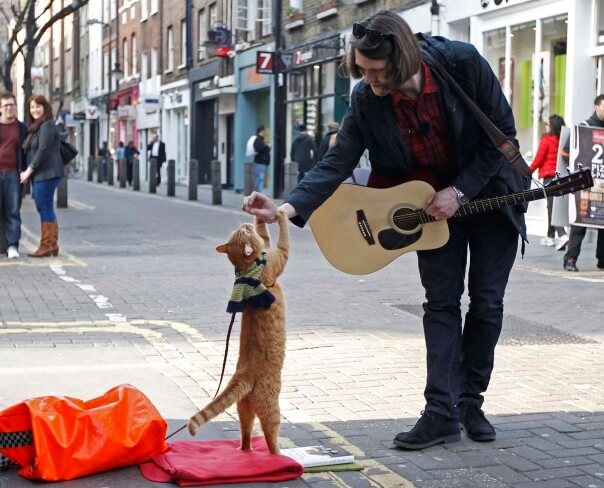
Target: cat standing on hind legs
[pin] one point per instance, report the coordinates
(256, 383)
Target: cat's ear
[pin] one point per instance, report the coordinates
(223, 248)
(248, 250)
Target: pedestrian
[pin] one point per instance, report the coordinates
(249, 146)
(328, 140)
(262, 158)
(546, 161)
(120, 156)
(303, 151)
(104, 158)
(129, 153)
(157, 151)
(12, 161)
(413, 122)
(45, 168)
(577, 232)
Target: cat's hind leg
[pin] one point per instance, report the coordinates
(270, 421)
(246, 423)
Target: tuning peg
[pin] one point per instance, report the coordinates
(568, 169)
(579, 166)
(557, 174)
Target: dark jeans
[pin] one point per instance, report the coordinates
(44, 193)
(551, 230)
(129, 166)
(459, 365)
(10, 207)
(577, 234)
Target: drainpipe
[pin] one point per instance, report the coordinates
(435, 11)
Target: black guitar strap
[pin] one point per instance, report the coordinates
(503, 144)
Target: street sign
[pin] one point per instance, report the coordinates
(265, 62)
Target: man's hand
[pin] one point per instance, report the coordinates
(442, 204)
(261, 206)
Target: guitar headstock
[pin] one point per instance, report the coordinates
(578, 180)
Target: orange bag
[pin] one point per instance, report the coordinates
(60, 438)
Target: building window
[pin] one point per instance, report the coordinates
(183, 43)
(144, 9)
(170, 53)
(154, 58)
(213, 14)
(133, 55)
(68, 32)
(125, 57)
(105, 71)
(154, 7)
(68, 79)
(264, 16)
(203, 32)
(144, 67)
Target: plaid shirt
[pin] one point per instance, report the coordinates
(424, 128)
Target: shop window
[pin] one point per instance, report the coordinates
(600, 22)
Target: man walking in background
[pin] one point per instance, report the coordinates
(303, 151)
(12, 162)
(157, 151)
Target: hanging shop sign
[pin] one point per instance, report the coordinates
(314, 52)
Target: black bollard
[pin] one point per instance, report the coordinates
(153, 175)
(216, 182)
(291, 177)
(122, 172)
(136, 177)
(171, 191)
(193, 177)
(110, 171)
(90, 168)
(62, 193)
(99, 170)
(250, 177)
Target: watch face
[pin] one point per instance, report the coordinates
(463, 200)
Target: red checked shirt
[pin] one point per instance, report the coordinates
(424, 129)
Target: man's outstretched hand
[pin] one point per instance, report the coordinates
(265, 209)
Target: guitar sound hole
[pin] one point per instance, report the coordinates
(406, 219)
(392, 240)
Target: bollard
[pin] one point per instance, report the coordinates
(153, 175)
(216, 176)
(62, 193)
(250, 177)
(90, 168)
(193, 176)
(290, 178)
(99, 170)
(110, 171)
(122, 172)
(171, 191)
(136, 177)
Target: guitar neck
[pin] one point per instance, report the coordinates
(486, 204)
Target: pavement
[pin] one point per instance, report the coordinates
(138, 295)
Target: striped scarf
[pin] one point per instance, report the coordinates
(249, 290)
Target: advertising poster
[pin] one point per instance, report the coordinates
(589, 153)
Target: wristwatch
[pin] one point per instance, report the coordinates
(461, 198)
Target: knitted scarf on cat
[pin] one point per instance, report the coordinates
(248, 290)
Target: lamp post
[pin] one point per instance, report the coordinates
(115, 72)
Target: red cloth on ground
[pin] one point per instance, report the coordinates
(201, 463)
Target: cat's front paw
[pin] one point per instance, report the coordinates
(193, 426)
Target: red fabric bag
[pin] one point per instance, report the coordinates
(201, 463)
(57, 438)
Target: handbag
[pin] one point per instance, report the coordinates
(68, 151)
(57, 438)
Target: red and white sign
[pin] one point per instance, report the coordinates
(265, 62)
(92, 112)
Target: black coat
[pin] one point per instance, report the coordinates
(161, 156)
(303, 151)
(44, 154)
(370, 124)
(263, 151)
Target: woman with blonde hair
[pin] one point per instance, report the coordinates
(45, 169)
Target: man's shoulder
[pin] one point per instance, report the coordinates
(448, 50)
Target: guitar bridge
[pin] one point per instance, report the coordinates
(364, 228)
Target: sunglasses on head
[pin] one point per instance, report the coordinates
(373, 36)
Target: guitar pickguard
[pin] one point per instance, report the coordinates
(391, 240)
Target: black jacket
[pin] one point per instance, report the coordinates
(370, 124)
(161, 156)
(44, 154)
(303, 151)
(263, 151)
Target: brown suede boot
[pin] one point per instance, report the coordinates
(54, 243)
(45, 248)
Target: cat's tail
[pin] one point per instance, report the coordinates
(234, 391)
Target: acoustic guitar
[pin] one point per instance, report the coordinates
(361, 229)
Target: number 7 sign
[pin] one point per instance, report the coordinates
(265, 62)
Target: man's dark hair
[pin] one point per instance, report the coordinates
(259, 129)
(599, 99)
(6, 96)
(398, 45)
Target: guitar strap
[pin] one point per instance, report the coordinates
(503, 144)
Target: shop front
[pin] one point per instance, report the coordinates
(125, 126)
(316, 94)
(175, 126)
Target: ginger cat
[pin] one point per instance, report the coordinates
(256, 383)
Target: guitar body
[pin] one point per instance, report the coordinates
(361, 229)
